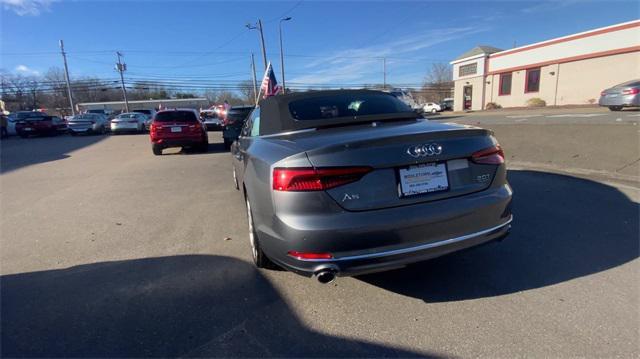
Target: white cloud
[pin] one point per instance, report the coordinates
(547, 6)
(365, 63)
(25, 70)
(27, 7)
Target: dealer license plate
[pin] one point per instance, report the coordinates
(425, 178)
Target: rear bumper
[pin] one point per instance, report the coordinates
(371, 241)
(83, 128)
(177, 142)
(622, 100)
(124, 126)
(213, 126)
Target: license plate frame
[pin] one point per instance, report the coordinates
(414, 186)
(176, 129)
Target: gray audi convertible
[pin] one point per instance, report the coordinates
(347, 182)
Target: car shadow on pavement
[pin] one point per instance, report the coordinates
(190, 305)
(564, 228)
(16, 153)
(212, 148)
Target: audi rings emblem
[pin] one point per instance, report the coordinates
(431, 149)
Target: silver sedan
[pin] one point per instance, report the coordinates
(88, 123)
(349, 182)
(623, 95)
(129, 122)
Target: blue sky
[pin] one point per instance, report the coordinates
(325, 42)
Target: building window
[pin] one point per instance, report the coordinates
(532, 82)
(505, 84)
(468, 69)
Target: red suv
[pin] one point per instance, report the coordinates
(177, 128)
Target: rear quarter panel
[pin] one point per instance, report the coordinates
(261, 156)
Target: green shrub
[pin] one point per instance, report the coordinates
(492, 106)
(536, 102)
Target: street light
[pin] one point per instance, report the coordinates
(258, 26)
(284, 88)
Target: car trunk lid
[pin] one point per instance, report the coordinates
(410, 162)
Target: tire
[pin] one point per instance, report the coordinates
(73, 133)
(203, 147)
(433, 110)
(142, 129)
(157, 150)
(260, 259)
(227, 144)
(615, 108)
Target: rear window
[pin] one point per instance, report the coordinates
(85, 117)
(630, 83)
(96, 111)
(176, 116)
(209, 114)
(146, 112)
(37, 118)
(346, 105)
(238, 115)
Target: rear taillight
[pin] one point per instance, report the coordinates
(302, 255)
(315, 179)
(153, 128)
(489, 156)
(632, 91)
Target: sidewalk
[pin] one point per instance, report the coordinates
(528, 110)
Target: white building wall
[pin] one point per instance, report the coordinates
(480, 59)
(550, 51)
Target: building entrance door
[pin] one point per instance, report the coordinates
(467, 92)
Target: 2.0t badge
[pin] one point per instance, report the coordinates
(431, 149)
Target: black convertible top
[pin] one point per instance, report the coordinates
(278, 113)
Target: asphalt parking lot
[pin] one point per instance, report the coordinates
(108, 250)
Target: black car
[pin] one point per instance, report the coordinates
(232, 122)
(446, 105)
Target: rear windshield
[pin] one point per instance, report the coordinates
(346, 105)
(209, 114)
(36, 118)
(239, 114)
(630, 83)
(22, 115)
(85, 117)
(96, 111)
(127, 115)
(176, 116)
(146, 112)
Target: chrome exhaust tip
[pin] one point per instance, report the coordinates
(326, 276)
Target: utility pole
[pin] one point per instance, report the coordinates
(122, 68)
(253, 77)
(384, 73)
(258, 27)
(284, 88)
(66, 77)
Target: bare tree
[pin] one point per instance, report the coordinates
(438, 83)
(246, 89)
